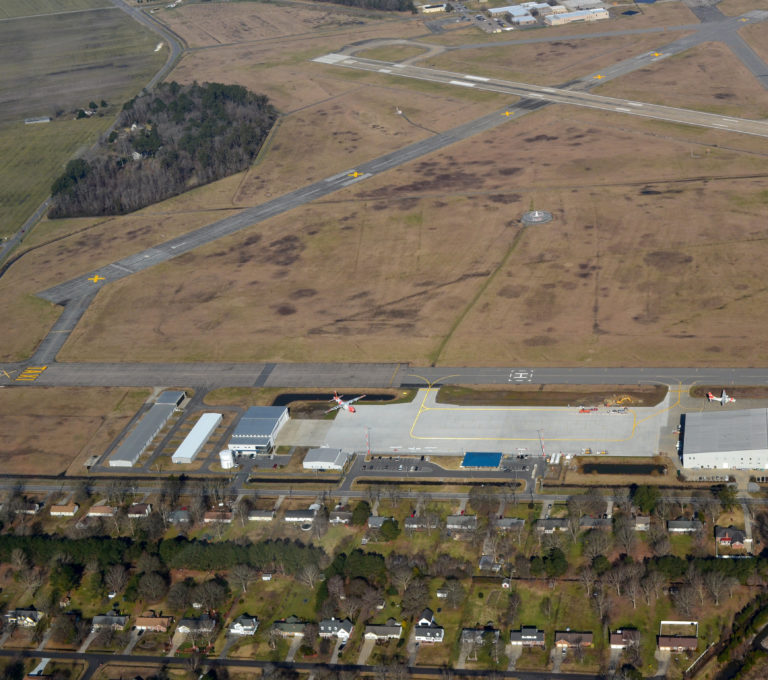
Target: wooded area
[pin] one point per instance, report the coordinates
(384, 5)
(166, 142)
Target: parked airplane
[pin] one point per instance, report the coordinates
(723, 398)
(344, 405)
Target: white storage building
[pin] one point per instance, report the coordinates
(325, 459)
(146, 430)
(197, 437)
(257, 430)
(580, 15)
(736, 440)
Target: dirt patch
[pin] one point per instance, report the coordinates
(552, 395)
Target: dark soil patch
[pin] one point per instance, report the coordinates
(551, 395)
(665, 259)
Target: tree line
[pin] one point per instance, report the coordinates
(383, 5)
(165, 142)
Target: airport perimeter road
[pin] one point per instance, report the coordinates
(558, 96)
(351, 375)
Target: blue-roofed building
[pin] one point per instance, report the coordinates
(481, 459)
(257, 430)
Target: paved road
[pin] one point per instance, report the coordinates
(94, 660)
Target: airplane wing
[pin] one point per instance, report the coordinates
(352, 401)
(334, 408)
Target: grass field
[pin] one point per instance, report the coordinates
(10, 9)
(84, 420)
(52, 67)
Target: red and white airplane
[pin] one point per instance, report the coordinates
(344, 405)
(723, 398)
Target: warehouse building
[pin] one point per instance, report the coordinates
(146, 430)
(197, 437)
(580, 15)
(257, 430)
(736, 440)
(325, 459)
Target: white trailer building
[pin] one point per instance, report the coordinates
(736, 440)
(197, 437)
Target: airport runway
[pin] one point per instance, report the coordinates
(368, 375)
(560, 96)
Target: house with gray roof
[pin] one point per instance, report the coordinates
(25, 618)
(391, 630)
(508, 523)
(293, 626)
(461, 523)
(244, 625)
(337, 628)
(551, 524)
(426, 629)
(527, 636)
(109, 621)
(684, 526)
(203, 624)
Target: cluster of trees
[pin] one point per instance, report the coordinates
(177, 138)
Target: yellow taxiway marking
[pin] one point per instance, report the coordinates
(508, 113)
(656, 54)
(96, 278)
(598, 77)
(31, 373)
(355, 174)
(743, 19)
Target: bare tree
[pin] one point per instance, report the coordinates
(401, 577)
(455, 593)
(116, 578)
(615, 577)
(242, 509)
(717, 584)
(336, 587)
(243, 575)
(684, 600)
(651, 585)
(152, 587)
(632, 587)
(19, 560)
(310, 575)
(600, 600)
(695, 580)
(588, 577)
(595, 543)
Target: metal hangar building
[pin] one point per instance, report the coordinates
(736, 440)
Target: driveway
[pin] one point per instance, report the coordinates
(87, 642)
(663, 659)
(556, 657)
(513, 652)
(413, 649)
(132, 641)
(613, 660)
(336, 650)
(365, 651)
(295, 644)
(176, 641)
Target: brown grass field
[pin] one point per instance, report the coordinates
(547, 63)
(707, 77)
(653, 256)
(85, 421)
(756, 36)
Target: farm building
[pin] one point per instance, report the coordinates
(325, 459)
(197, 437)
(142, 435)
(481, 459)
(580, 15)
(257, 429)
(736, 440)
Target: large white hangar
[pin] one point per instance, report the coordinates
(736, 440)
(257, 429)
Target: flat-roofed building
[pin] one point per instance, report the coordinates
(137, 441)
(197, 438)
(257, 429)
(430, 9)
(580, 15)
(67, 510)
(325, 459)
(735, 440)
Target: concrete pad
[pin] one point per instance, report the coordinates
(514, 652)
(426, 427)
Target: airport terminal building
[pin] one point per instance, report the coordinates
(736, 440)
